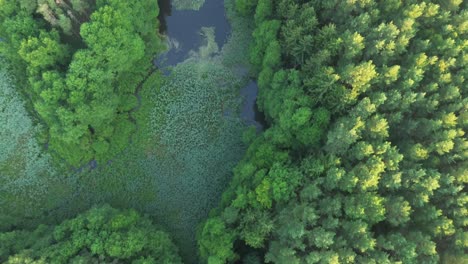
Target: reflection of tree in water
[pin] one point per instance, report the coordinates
(165, 9)
(182, 27)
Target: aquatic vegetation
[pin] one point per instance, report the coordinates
(189, 138)
(197, 141)
(234, 53)
(209, 48)
(29, 184)
(188, 4)
(360, 158)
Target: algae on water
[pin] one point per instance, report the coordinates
(188, 4)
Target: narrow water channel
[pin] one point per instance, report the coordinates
(249, 111)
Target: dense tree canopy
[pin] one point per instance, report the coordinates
(100, 235)
(83, 64)
(365, 160)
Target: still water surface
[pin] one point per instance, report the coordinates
(182, 28)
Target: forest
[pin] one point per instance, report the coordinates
(233, 131)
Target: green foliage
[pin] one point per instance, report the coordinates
(365, 155)
(64, 15)
(364, 160)
(80, 85)
(30, 186)
(81, 6)
(263, 11)
(234, 51)
(246, 7)
(189, 138)
(217, 242)
(101, 234)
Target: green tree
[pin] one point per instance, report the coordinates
(79, 82)
(216, 242)
(100, 234)
(365, 151)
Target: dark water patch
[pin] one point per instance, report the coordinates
(182, 27)
(250, 112)
(165, 9)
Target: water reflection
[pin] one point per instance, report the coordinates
(165, 9)
(249, 109)
(182, 28)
